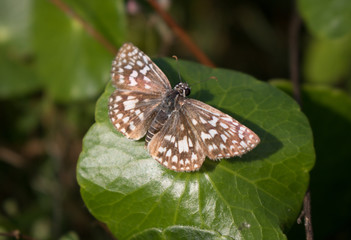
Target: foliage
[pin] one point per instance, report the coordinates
(327, 18)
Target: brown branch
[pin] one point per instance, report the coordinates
(201, 57)
(294, 33)
(89, 28)
(306, 215)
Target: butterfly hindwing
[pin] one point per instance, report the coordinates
(131, 112)
(221, 135)
(176, 146)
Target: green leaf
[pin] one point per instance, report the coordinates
(108, 17)
(328, 60)
(17, 74)
(327, 18)
(329, 113)
(73, 65)
(257, 196)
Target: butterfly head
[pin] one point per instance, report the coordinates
(183, 89)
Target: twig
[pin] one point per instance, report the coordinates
(306, 215)
(90, 29)
(201, 57)
(295, 25)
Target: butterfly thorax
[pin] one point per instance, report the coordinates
(169, 104)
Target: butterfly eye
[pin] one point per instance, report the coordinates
(187, 91)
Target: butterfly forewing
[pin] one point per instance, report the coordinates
(133, 70)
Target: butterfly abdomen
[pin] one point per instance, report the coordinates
(165, 111)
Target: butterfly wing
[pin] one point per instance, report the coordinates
(176, 146)
(141, 86)
(134, 70)
(132, 112)
(220, 135)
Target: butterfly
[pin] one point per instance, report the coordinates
(180, 131)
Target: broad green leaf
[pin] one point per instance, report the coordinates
(327, 61)
(72, 64)
(327, 18)
(257, 196)
(329, 112)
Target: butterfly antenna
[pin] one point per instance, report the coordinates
(176, 58)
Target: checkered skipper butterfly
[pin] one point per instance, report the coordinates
(180, 131)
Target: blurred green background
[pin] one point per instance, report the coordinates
(53, 68)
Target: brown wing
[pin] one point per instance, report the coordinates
(133, 70)
(220, 135)
(131, 112)
(175, 146)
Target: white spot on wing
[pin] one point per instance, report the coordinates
(222, 146)
(183, 145)
(213, 121)
(242, 143)
(130, 104)
(132, 82)
(145, 70)
(161, 149)
(125, 120)
(134, 74)
(224, 125)
(224, 138)
(213, 132)
(190, 143)
(205, 136)
(203, 120)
